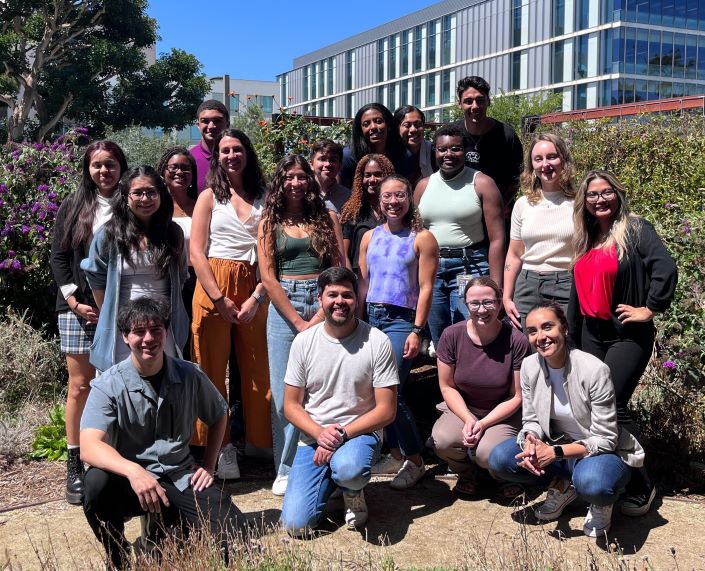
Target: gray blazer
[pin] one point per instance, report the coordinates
(591, 397)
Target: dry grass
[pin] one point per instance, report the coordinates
(17, 428)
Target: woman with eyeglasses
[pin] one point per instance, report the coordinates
(398, 261)
(537, 268)
(178, 169)
(139, 252)
(623, 277)
(412, 121)
(478, 371)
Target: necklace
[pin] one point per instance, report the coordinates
(473, 157)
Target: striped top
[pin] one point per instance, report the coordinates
(547, 229)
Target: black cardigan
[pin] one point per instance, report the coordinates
(65, 263)
(646, 277)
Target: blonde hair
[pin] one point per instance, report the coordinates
(625, 225)
(531, 184)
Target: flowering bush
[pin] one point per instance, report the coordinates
(34, 178)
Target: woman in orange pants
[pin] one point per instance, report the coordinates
(228, 296)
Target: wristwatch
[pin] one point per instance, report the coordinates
(418, 330)
(558, 451)
(259, 298)
(343, 434)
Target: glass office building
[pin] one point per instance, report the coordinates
(594, 52)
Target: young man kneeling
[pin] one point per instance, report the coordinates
(135, 434)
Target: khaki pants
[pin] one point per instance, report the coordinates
(211, 349)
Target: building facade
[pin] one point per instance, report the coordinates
(594, 52)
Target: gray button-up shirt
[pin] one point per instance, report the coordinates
(154, 431)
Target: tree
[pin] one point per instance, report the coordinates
(82, 59)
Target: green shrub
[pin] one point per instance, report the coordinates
(141, 148)
(50, 439)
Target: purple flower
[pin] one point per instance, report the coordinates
(61, 168)
(3, 264)
(52, 196)
(24, 229)
(670, 365)
(52, 207)
(41, 215)
(42, 188)
(3, 188)
(15, 265)
(39, 228)
(38, 146)
(11, 253)
(5, 231)
(62, 180)
(81, 130)
(36, 206)
(668, 205)
(685, 226)
(2, 203)
(15, 154)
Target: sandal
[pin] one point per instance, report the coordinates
(465, 487)
(510, 490)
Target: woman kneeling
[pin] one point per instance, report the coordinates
(569, 436)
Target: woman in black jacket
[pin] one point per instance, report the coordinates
(623, 276)
(79, 217)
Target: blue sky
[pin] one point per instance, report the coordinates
(259, 39)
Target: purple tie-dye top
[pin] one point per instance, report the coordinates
(393, 268)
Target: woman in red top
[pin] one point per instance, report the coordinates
(623, 276)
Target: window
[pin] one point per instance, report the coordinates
(581, 58)
(380, 60)
(431, 44)
(559, 17)
(446, 93)
(306, 83)
(667, 54)
(234, 103)
(447, 41)
(418, 47)
(516, 22)
(516, 70)
(417, 91)
(391, 99)
(330, 85)
(678, 55)
(392, 57)
(266, 102)
(701, 58)
(404, 52)
(431, 89)
(630, 50)
(691, 57)
(349, 105)
(581, 96)
(642, 53)
(349, 60)
(558, 62)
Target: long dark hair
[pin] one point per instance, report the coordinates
(252, 177)
(358, 205)
(192, 190)
(165, 239)
(393, 147)
(81, 209)
(316, 218)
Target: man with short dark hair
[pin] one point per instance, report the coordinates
(340, 391)
(212, 118)
(494, 147)
(326, 160)
(135, 434)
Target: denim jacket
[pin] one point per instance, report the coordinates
(103, 272)
(590, 392)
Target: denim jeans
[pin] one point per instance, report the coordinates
(397, 323)
(448, 306)
(598, 479)
(310, 486)
(280, 335)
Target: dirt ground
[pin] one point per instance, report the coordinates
(427, 526)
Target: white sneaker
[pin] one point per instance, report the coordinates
(387, 465)
(555, 502)
(431, 350)
(227, 463)
(409, 474)
(279, 485)
(355, 509)
(598, 520)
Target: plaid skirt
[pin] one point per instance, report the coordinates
(76, 335)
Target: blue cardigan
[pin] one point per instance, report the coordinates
(103, 272)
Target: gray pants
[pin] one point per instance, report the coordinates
(447, 435)
(533, 288)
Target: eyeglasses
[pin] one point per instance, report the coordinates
(173, 169)
(142, 194)
(474, 305)
(453, 149)
(387, 196)
(607, 194)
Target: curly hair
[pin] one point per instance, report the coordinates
(252, 177)
(316, 218)
(531, 183)
(192, 190)
(358, 205)
(412, 218)
(164, 238)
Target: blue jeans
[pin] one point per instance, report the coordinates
(598, 479)
(397, 323)
(310, 486)
(280, 335)
(448, 306)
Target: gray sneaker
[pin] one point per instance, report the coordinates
(555, 502)
(598, 520)
(355, 509)
(409, 474)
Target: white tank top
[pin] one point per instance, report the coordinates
(230, 237)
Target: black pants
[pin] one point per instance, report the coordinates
(109, 499)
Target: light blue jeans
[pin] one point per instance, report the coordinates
(448, 306)
(397, 322)
(599, 479)
(280, 335)
(310, 486)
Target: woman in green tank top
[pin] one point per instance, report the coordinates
(298, 238)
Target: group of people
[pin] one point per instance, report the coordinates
(317, 289)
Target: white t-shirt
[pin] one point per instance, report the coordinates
(562, 418)
(339, 375)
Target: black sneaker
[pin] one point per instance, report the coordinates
(635, 505)
(74, 477)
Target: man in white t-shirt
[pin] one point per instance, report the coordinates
(341, 390)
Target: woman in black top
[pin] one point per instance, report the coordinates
(79, 216)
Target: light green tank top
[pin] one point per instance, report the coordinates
(452, 210)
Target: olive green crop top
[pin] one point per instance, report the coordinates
(295, 257)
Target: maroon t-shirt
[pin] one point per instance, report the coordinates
(483, 374)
